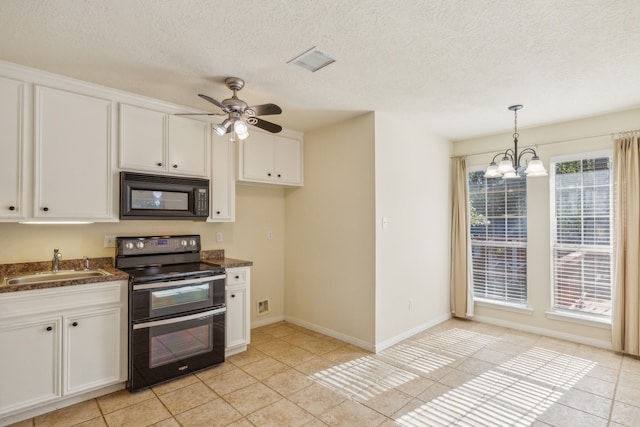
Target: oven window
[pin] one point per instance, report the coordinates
(173, 346)
(180, 296)
(161, 200)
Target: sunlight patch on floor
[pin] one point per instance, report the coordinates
(513, 394)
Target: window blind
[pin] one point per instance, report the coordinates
(498, 237)
(582, 235)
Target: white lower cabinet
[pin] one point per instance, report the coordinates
(92, 349)
(59, 343)
(238, 333)
(30, 367)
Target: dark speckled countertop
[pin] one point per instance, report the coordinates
(106, 264)
(217, 257)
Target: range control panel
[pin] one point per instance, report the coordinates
(157, 245)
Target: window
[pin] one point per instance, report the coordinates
(498, 237)
(582, 241)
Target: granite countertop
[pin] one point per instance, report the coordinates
(218, 257)
(106, 264)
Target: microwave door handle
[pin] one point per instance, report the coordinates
(161, 285)
(179, 319)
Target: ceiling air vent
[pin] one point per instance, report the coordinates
(312, 60)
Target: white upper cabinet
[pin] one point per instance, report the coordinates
(223, 183)
(12, 205)
(271, 159)
(189, 146)
(154, 141)
(142, 139)
(72, 156)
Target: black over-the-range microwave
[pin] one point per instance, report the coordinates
(146, 196)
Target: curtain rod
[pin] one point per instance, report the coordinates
(560, 141)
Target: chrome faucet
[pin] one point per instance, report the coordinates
(85, 261)
(55, 262)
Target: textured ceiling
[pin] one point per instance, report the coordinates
(454, 65)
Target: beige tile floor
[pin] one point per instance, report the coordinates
(458, 373)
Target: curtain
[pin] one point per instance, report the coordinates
(626, 298)
(461, 273)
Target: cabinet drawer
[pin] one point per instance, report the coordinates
(236, 277)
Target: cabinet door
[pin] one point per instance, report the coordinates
(92, 350)
(30, 360)
(11, 145)
(287, 160)
(142, 139)
(237, 317)
(188, 146)
(72, 156)
(223, 184)
(257, 157)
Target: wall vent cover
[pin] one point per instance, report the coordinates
(263, 307)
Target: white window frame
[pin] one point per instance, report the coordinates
(522, 307)
(573, 316)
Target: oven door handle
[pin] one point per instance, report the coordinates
(180, 319)
(160, 285)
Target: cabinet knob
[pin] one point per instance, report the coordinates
(12, 208)
(159, 163)
(46, 209)
(237, 277)
(233, 295)
(279, 175)
(268, 173)
(74, 324)
(49, 328)
(217, 212)
(175, 166)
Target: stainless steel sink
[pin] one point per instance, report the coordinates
(50, 276)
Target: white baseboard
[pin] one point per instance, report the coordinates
(411, 332)
(62, 403)
(267, 321)
(374, 348)
(331, 333)
(542, 331)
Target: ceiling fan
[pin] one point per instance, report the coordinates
(239, 113)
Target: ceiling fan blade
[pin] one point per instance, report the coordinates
(213, 101)
(199, 114)
(266, 109)
(268, 126)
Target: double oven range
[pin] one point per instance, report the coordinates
(176, 308)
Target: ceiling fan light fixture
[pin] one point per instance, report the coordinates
(240, 127)
(221, 129)
(312, 60)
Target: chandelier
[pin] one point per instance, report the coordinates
(509, 166)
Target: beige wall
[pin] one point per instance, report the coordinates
(258, 210)
(585, 135)
(330, 242)
(412, 253)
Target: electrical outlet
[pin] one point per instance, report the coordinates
(218, 236)
(269, 235)
(109, 241)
